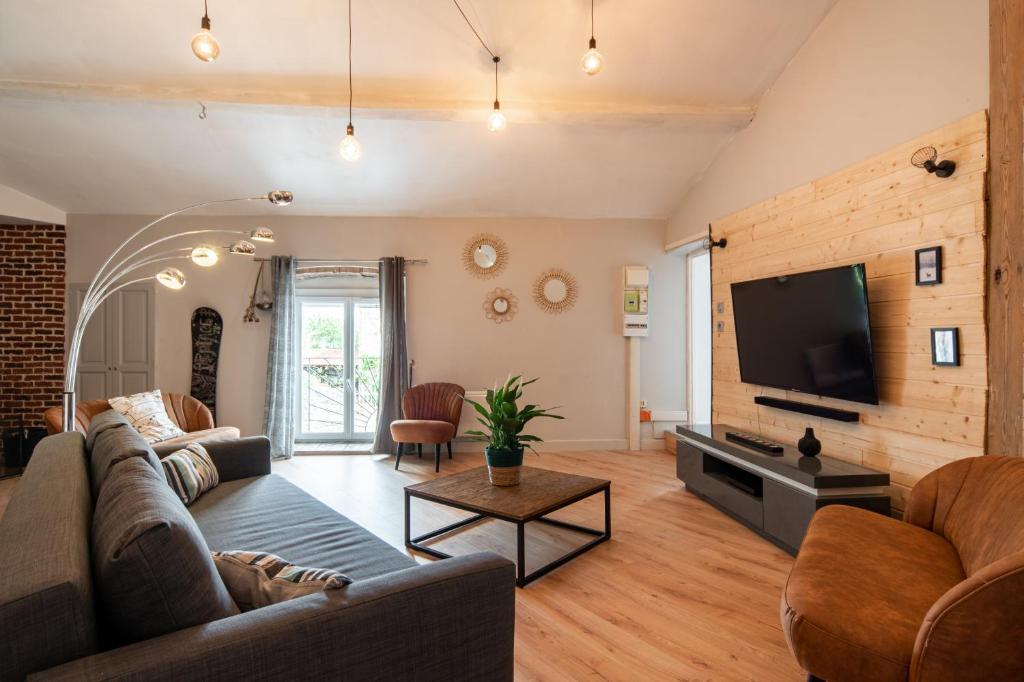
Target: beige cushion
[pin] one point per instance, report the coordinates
(219, 433)
(257, 579)
(147, 415)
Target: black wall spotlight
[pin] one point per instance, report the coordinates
(925, 158)
(710, 243)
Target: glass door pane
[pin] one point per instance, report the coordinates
(323, 383)
(366, 366)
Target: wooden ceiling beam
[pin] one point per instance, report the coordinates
(384, 107)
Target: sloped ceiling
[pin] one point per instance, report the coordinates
(99, 102)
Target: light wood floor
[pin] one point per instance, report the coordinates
(680, 592)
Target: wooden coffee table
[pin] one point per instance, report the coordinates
(539, 493)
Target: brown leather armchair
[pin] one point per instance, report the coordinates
(189, 414)
(936, 597)
(432, 413)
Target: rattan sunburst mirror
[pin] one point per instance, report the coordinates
(485, 256)
(501, 305)
(555, 291)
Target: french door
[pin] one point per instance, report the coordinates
(338, 377)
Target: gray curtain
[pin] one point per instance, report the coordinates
(279, 406)
(394, 374)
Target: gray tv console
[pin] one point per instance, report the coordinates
(774, 495)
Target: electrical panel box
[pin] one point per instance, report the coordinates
(635, 290)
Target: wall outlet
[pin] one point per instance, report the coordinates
(720, 307)
(643, 404)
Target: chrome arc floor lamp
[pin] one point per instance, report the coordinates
(112, 277)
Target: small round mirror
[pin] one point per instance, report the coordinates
(485, 256)
(500, 305)
(555, 290)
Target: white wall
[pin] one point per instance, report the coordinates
(580, 355)
(21, 206)
(874, 73)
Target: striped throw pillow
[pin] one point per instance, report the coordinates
(147, 415)
(257, 579)
(190, 472)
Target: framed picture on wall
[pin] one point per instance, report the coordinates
(946, 346)
(928, 266)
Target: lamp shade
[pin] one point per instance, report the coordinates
(205, 255)
(172, 278)
(242, 248)
(262, 234)
(280, 197)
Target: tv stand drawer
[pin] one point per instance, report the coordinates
(733, 489)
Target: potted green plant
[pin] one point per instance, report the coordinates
(505, 422)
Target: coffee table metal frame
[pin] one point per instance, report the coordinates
(522, 578)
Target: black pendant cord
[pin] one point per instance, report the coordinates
(495, 58)
(473, 29)
(206, 10)
(349, 65)
(591, 19)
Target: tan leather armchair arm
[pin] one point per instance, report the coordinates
(973, 631)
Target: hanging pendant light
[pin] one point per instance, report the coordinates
(592, 61)
(350, 149)
(204, 46)
(496, 122)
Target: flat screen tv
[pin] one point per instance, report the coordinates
(809, 332)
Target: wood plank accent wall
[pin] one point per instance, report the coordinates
(877, 212)
(1006, 234)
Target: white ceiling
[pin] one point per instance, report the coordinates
(99, 115)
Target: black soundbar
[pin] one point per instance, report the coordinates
(808, 408)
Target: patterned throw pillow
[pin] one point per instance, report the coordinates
(190, 472)
(147, 415)
(256, 579)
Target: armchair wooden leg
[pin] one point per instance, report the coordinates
(437, 457)
(449, 449)
(419, 450)
(398, 457)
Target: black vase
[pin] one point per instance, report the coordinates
(809, 446)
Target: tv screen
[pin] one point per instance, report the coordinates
(808, 332)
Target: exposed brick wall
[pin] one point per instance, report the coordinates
(31, 322)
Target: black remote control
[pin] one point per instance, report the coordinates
(756, 442)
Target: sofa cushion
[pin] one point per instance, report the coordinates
(859, 591)
(269, 514)
(190, 472)
(152, 568)
(111, 440)
(218, 434)
(47, 610)
(147, 415)
(258, 579)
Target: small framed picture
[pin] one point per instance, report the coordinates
(928, 266)
(946, 346)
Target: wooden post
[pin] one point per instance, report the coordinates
(1005, 288)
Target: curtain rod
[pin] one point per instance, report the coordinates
(335, 261)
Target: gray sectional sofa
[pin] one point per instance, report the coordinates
(447, 620)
